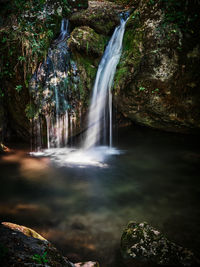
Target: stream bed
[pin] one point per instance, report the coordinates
(83, 210)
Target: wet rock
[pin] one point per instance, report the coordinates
(3, 148)
(142, 245)
(100, 16)
(156, 83)
(22, 246)
(87, 264)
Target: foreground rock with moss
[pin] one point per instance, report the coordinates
(142, 245)
(22, 246)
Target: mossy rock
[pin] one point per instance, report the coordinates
(156, 82)
(86, 40)
(87, 68)
(144, 245)
(101, 16)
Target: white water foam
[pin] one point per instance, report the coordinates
(71, 157)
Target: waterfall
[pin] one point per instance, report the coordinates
(99, 129)
(100, 112)
(51, 90)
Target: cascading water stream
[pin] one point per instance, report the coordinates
(60, 133)
(101, 102)
(99, 128)
(51, 89)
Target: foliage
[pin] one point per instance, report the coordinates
(40, 259)
(18, 88)
(184, 14)
(27, 29)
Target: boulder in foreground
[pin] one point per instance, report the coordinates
(142, 245)
(22, 246)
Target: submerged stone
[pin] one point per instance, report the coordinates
(143, 245)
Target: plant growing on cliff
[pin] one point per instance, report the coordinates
(18, 88)
(40, 259)
(155, 91)
(141, 88)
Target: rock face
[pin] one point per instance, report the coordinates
(157, 83)
(142, 245)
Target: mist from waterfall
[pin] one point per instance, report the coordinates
(100, 112)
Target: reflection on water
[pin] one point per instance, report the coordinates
(83, 210)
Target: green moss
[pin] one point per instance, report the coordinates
(121, 72)
(132, 52)
(87, 73)
(31, 111)
(87, 64)
(132, 43)
(101, 18)
(87, 40)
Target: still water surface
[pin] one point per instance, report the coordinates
(84, 210)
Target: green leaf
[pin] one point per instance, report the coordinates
(18, 88)
(142, 88)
